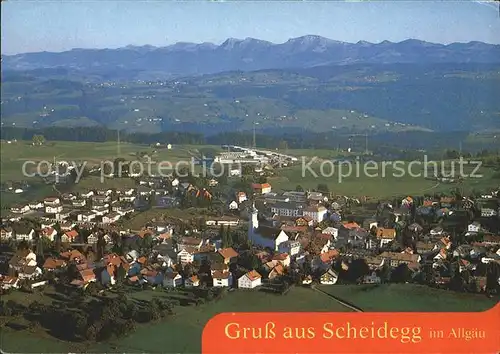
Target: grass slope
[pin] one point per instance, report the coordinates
(182, 333)
(408, 298)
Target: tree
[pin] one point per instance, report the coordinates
(147, 243)
(121, 273)
(38, 139)
(401, 274)
(385, 274)
(299, 188)
(100, 246)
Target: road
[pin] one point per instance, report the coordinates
(351, 307)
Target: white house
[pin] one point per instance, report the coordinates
(192, 282)
(79, 203)
(36, 205)
(307, 280)
(49, 232)
(53, 209)
(111, 218)
(290, 247)
(371, 279)
(7, 282)
(92, 239)
(126, 198)
(437, 231)
(250, 280)
(185, 256)
(222, 279)
(241, 197)
(317, 213)
(32, 272)
(164, 260)
(53, 201)
(474, 227)
(488, 213)
(63, 215)
(235, 172)
(331, 231)
(25, 234)
(172, 280)
(289, 209)
(100, 210)
(5, 233)
(20, 209)
(87, 216)
(283, 258)
(385, 236)
(330, 277)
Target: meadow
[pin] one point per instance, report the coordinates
(408, 298)
(181, 333)
(380, 181)
(383, 185)
(14, 155)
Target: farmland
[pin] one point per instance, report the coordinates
(408, 298)
(15, 154)
(386, 181)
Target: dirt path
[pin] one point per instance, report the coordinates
(343, 303)
(431, 188)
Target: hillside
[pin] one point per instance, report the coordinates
(346, 99)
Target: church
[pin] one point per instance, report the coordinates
(264, 236)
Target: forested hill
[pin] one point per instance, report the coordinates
(352, 99)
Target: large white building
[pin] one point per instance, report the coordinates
(264, 236)
(317, 213)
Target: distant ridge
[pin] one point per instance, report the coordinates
(184, 58)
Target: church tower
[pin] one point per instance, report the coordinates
(254, 222)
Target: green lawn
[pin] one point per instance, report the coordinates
(379, 182)
(14, 155)
(408, 298)
(181, 333)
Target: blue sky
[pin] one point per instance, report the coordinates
(44, 25)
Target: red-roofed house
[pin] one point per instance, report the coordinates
(226, 255)
(69, 236)
(49, 232)
(7, 282)
(222, 278)
(250, 280)
(192, 281)
(261, 188)
(283, 258)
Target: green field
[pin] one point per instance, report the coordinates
(408, 298)
(357, 184)
(182, 333)
(383, 184)
(14, 155)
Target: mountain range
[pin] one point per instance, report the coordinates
(190, 59)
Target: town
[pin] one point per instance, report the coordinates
(205, 237)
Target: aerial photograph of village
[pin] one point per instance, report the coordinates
(164, 162)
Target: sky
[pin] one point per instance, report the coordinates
(42, 25)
